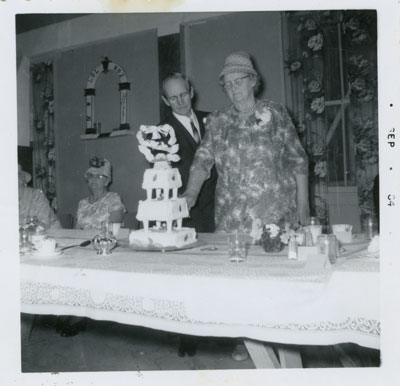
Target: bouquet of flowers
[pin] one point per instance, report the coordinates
(158, 143)
(273, 237)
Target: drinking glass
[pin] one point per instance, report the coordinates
(315, 230)
(115, 226)
(237, 247)
(106, 228)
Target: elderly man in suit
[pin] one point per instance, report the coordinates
(177, 93)
(188, 124)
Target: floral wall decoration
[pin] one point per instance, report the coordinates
(317, 42)
(367, 158)
(43, 139)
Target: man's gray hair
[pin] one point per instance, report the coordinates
(175, 75)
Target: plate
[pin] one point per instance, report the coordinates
(356, 241)
(42, 255)
(152, 248)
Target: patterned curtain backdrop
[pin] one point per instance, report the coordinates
(44, 174)
(331, 61)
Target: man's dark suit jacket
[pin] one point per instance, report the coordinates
(202, 214)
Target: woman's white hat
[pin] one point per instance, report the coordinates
(240, 62)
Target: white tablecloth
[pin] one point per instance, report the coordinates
(199, 292)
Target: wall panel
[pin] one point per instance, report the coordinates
(137, 54)
(208, 42)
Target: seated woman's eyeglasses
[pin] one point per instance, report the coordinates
(236, 82)
(174, 99)
(95, 177)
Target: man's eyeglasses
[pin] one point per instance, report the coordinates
(174, 99)
(236, 82)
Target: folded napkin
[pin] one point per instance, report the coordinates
(373, 247)
(316, 262)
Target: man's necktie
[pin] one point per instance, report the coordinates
(196, 135)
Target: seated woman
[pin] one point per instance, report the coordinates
(33, 203)
(101, 205)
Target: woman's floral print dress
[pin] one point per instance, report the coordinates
(90, 216)
(257, 157)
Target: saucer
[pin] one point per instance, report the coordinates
(47, 255)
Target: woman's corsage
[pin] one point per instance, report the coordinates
(263, 117)
(158, 143)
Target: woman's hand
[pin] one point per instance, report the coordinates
(303, 209)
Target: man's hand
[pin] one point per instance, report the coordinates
(190, 199)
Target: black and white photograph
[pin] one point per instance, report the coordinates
(201, 192)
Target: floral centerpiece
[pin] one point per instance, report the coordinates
(273, 237)
(158, 144)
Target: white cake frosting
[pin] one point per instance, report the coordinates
(163, 179)
(161, 238)
(165, 208)
(162, 210)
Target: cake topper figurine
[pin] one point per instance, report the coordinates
(158, 143)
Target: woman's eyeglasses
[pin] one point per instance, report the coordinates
(236, 82)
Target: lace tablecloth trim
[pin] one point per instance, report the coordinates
(46, 294)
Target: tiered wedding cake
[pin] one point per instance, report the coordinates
(162, 205)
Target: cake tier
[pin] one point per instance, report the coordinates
(162, 238)
(162, 179)
(162, 210)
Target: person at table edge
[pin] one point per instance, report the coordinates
(33, 203)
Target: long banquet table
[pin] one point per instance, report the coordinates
(197, 291)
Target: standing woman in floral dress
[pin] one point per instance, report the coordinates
(261, 164)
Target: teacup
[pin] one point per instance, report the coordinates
(37, 240)
(343, 232)
(47, 247)
(115, 226)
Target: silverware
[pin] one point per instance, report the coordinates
(82, 244)
(210, 248)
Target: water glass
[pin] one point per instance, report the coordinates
(237, 247)
(315, 231)
(328, 246)
(106, 228)
(115, 227)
